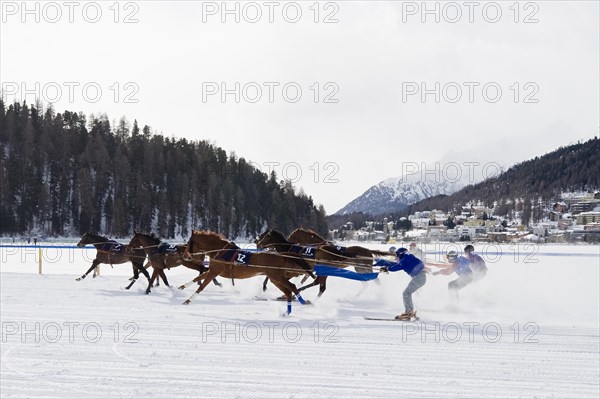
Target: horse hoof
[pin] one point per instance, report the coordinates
(307, 302)
(78, 279)
(181, 287)
(186, 302)
(147, 292)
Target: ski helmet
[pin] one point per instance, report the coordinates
(400, 252)
(469, 248)
(452, 256)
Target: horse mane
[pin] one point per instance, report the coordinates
(208, 233)
(308, 231)
(96, 237)
(278, 235)
(150, 236)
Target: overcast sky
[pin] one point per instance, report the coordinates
(336, 96)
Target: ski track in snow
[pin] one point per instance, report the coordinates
(226, 344)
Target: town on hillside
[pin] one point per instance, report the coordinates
(575, 218)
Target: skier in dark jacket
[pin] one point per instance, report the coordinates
(415, 269)
(476, 262)
(461, 266)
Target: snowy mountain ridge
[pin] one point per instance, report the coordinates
(395, 194)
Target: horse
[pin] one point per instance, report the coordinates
(163, 256)
(113, 253)
(324, 254)
(310, 237)
(228, 260)
(307, 237)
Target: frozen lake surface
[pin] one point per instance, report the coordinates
(529, 329)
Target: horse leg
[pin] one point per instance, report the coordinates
(94, 264)
(137, 268)
(216, 282)
(292, 287)
(265, 283)
(209, 276)
(136, 273)
(315, 282)
(195, 280)
(133, 279)
(287, 292)
(158, 279)
(154, 276)
(144, 269)
(322, 285)
(164, 277)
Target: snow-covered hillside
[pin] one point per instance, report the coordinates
(395, 194)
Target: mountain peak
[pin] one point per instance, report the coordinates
(396, 193)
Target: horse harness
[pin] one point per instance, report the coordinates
(112, 247)
(234, 256)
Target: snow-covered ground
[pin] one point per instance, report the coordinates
(530, 329)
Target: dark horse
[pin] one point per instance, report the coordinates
(228, 260)
(325, 253)
(113, 253)
(163, 256)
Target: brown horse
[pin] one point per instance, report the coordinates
(310, 237)
(112, 253)
(228, 260)
(326, 254)
(306, 237)
(164, 256)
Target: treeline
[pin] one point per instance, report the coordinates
(62, 174)
(525, 187)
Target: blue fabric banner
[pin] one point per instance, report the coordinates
(322, 270)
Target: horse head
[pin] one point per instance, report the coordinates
(270, 237)
(143, 240)
(203, 242)
(90, 238)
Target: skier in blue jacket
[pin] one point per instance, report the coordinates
(461, 266)
(415, 269)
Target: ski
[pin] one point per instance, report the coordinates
(384, 319)
(279, 299)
